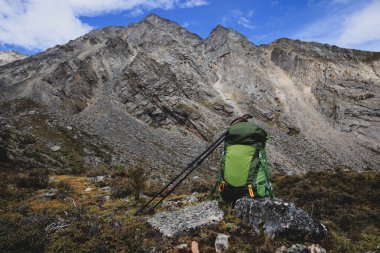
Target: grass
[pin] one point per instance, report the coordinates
(76, 219)
(42, 132)
(347, 202)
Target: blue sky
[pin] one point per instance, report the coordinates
(33, 26)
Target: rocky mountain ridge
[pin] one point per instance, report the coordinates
(10, 56)
(153, 91)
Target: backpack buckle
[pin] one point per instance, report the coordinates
(250, 191)
(221, 187)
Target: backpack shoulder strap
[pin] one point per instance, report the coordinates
(264, 164)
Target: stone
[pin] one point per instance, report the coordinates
(97, 179)
(315, 248)
(194, 247)
(279, 219)
(221, 243)
(181, 246)
(192, 198)
(174, 223)
(296, 248)
(106, 189)
(52, 193)
(88, 189)
(52, 180)
(55, 148)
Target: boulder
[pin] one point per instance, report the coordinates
(52, 193)
(315, 248)
(194, 247)
(299, 248)
(106, 189)
(221, 243)
(55, 148)
(277, 218)
(97, 179)
(171, 224)
(181, 246)
(296, 248)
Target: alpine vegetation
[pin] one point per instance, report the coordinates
(148, 138)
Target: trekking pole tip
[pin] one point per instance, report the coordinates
(150, 210)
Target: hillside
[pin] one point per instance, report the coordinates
(151, 96)
(157, 92)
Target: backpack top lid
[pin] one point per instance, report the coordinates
(246, 133)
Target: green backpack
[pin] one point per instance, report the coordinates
(244, 169)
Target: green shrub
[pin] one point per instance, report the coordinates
(24, 233)
(128, 181)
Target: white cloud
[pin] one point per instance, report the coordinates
(274, 2)
(362, 26)
(189, 23)
(193, 3)
(245, 22)
(136, 12)
(240, 18)
(39, 24)
(340, 1)
(355, 28)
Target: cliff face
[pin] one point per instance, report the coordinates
(154, 91)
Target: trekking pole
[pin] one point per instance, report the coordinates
(217, 143)
(198, 162)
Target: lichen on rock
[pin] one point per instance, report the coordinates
(277, 218)
(171, 224)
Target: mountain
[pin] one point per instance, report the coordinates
(155, 92)
(10, 56)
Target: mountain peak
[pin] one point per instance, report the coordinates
(220, 31)
(165, 26)
(155, 19)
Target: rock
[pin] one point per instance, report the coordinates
(221, 243)
(69, 127)
(107, 198)
(315, 248)
(171, 224)
(296, 248)
(279, 219)
(98, 179)
(52, 180)
(88, 189)
(194, 247)
(181, 246)
(55, 148)
(52, 193)
(106, 189)
(192, 198)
